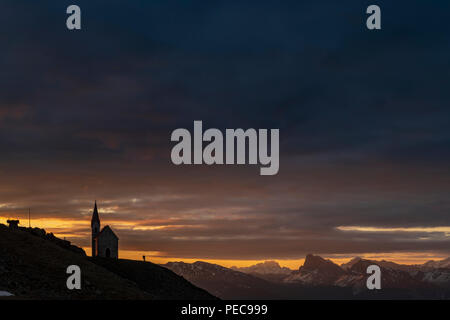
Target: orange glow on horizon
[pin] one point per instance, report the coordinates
(400, 258)
(443, 229)
(64, 228)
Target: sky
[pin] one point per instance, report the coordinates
(364, 120)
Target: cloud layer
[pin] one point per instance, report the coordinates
(364, 124)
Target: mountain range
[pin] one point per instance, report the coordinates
(319, 278)
(268, 270)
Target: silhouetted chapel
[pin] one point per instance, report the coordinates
(105, 243)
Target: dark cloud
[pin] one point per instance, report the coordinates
(364, 120)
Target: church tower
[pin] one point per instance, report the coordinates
(95, 227)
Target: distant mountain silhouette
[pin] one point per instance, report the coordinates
(223, 282)
(403, 280)
(227, 283)
(316, 271)
(443, 264)
(318, 278)
(33, 266)
(268, 270)
(266, 267)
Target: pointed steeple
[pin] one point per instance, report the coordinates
(95, 217)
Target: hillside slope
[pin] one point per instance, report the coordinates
(33, 267)
(153, 278)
